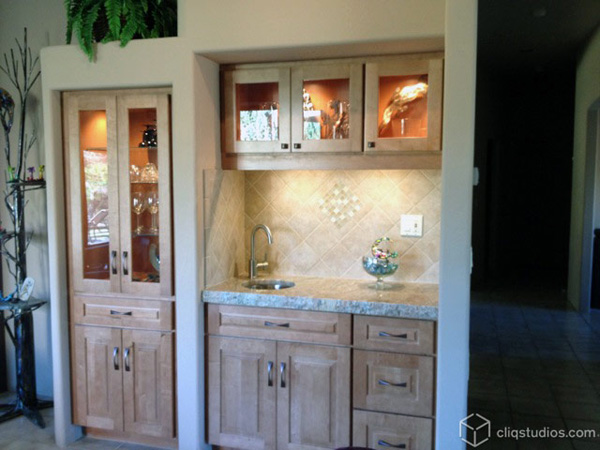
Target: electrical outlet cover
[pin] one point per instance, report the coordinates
(411, 225)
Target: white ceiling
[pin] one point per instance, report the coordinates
(534, 34)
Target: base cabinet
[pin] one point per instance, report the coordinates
(124, 380)
(266, 394)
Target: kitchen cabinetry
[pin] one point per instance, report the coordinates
(323, 104)
(124, 380)
(117, 163)
(403, 105)
(273, 114)
(390, 387)
(280, 379)
(267, 392)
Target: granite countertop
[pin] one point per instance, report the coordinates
(408, 300)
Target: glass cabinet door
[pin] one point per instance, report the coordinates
(327, 108)
(256, 112)
(144, 144)
(93, 194)
(403, 105)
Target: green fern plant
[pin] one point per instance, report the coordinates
(103, 21)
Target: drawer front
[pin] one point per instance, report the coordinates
(395, 335)
(381, 431)
(393, 383)
(147, 314)
(279, 324)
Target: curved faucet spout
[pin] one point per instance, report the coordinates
(254, 266)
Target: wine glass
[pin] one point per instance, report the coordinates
(137, 205)
(152, 207)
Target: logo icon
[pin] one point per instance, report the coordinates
(475, 430)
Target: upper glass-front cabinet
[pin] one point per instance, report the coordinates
(403, 105)
(119, 192)
(256, 113)
(327, 108)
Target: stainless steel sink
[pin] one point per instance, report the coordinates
(268, 284)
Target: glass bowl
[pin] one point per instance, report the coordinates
(380, 269)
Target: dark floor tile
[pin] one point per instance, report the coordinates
(534, 407)
(583, 411)
(585, 445)
(577, 394)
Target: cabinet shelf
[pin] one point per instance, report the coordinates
(144, 182)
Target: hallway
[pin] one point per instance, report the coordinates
(534, 363)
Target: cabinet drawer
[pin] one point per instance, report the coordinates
(279, 324)
(393, 383)
(395, 335)
(151, 314)
(384, 431)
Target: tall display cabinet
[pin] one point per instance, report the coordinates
(118, 198)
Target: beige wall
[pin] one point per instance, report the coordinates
(216, 25)
(587, 91)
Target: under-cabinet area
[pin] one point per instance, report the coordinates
(288, 378)
(122, 328)
(374, 111)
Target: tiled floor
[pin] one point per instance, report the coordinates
(20, 434)
(534, 363)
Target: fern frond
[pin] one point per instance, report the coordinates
(113, 14)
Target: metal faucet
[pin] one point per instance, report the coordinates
(254, 266)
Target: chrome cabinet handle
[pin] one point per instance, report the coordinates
(399, 336)
(273, 324)
(387, 444)
(126, 359)
(270, 373)
(124, 263)
(282, 374)
(113, 262)
(116, 358)
(387, 383)
(119, 313)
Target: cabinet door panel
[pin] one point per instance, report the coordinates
(145, 195)
(97, 387)
(403, 105)
(148, 383)
(241, 394)
(256, 111)
(327, 108)
(92, 191)
(313, 396)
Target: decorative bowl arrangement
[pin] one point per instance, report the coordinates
(379, 263)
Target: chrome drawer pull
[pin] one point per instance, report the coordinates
(399, 336)
(119, 313)
(282, 374)
(387, 444)
(270, 373)
(387, 383)
(116, 358)
(126, 359)
(113, 262)
(273, 324)
(124, 263)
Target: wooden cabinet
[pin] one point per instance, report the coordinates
(118, 192)
(124, 380)
(265, 393)
(394, 383)
(117, 164)
(403, 105)
(380, 112)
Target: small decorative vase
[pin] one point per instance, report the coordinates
(379, 263)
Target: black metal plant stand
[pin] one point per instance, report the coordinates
(26, 403)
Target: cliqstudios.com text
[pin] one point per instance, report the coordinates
(543, 433)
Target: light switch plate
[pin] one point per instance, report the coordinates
(411, 225)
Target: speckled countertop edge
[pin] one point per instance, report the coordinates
(406, 300)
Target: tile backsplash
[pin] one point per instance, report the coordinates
(323, 222)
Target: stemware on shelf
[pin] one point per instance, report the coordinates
(152, 208)
(138, 206)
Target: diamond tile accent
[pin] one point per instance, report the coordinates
(340, 204)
